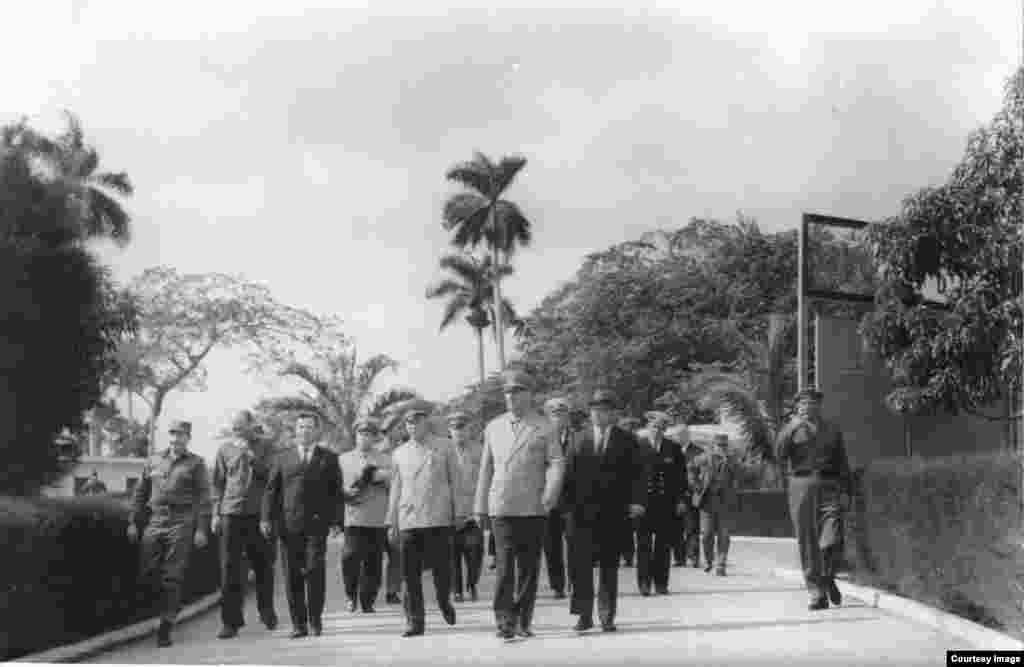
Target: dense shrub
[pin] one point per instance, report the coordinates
(944, 531)
(69, 572)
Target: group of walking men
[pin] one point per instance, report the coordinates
(427, 502)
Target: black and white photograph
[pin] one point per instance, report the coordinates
(435, 333)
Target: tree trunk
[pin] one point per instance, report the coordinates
(158, 406)
(480, 357)
(499, 316)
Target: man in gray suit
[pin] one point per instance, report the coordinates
(520, 477)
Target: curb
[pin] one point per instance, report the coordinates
(970, 631)
(100, 643)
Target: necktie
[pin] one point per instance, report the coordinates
(602, 437)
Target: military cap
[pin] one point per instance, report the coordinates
(556, 404)
(658, 417)
(180, 426)
(603, 397)
(516, 380)
(367, 424)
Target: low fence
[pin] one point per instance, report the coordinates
(69, 572)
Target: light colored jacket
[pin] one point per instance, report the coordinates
(520, 473)
(372, 508)
(425, 480)
(468, 456)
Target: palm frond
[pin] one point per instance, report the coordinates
(373, 367)
(742, 408)
(467, 267)
(476, 175)
(107, 218)
(461, 208)
(506, 171)
(513, 229)
(452, 310)
(389, 398)
(118, 182)
(444, 288)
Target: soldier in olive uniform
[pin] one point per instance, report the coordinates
(666, 487)
(819, 486)
(174, 497)
(239, 478)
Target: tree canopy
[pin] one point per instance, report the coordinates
(965, 236)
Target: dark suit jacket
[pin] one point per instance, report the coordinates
(666, 474)
(304, 498)
(601, 488)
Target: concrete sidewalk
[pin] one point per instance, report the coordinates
(746, 618)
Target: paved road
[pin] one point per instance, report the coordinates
(747, 618)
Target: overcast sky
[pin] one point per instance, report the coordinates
(305, 147)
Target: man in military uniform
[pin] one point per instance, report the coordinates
(172, 500)
(469, 537)
(557, 409)
(658, 528)
(239, 478)
(423, 506)
(819, 487)
(716, 497)
(366, 477)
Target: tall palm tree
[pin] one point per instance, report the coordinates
(75, 165)
(480, 215)
(471, 293)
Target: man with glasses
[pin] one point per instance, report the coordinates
(423, 506)
(365, 478)
(172, 500)
(820, 487)
(520, 476)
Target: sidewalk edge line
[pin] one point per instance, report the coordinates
(114, 638)
(937, 619)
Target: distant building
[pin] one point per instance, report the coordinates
(119, 474)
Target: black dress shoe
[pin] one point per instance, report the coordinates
(270, 621)
(414, 631)
(227, 632)
(448, 612)
(707, 568)
(163, 635)
(608, 627)
(818, 604)
(834, 596)
(506, 633)
(368, 608)
(645, 591)
(695, 564)
(316, 628)
(299, 633)
(585, 623)
(662, 590)
(525, 633)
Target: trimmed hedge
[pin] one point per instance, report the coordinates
(69, 572)
(944, 531)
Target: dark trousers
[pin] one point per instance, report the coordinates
(817, 520)
(655, 533)
(628, 542)
(241, 535)
(166, 547)
(554, 550)
(687, 546)
(362, 560)
(518, 542)
(715, 529)
(422, 547)
(393, 572)
(589, 541)
(468, 548)
(305, 572)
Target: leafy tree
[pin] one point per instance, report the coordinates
(966, 236)
(184, 317)
(470, 294)
(481, 216)
(61, 318)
